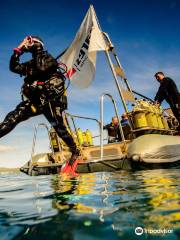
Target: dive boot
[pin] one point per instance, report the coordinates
(69, 167)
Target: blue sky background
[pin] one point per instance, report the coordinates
(146, 35)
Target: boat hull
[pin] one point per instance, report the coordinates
(155, 148)
(145, 152)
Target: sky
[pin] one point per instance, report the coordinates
(146, 36)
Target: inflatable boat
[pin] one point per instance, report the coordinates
(147, 148)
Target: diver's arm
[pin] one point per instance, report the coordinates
(159, 95)
(15, 66)
(106, 127)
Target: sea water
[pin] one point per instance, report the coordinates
(112, 205)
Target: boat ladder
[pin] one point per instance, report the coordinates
(102, 122)
(40, 125)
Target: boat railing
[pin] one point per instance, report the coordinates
(102, 121)
(35, 138)
(72, 117)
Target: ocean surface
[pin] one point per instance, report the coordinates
(120, 205)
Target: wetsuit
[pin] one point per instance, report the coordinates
(168, 91)
(44, 89)
(113, 133)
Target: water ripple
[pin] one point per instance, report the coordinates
(91, 206)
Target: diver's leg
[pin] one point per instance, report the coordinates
(21, 113)
(176, 111)
(57, 122)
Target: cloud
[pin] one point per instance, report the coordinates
(92, 93)
(6, 149)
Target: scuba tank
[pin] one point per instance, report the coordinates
(159, 119)
(89, 137)
(54, 141)
(149, 114)
(85, 140)
(151, 117)
(155, 116)
(139, 117)
(144, 104)
(165, 122)
(80, 136)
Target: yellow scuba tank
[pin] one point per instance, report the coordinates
(158, 114)
(54, 140)
(85, 141)
(144, 104)
(139, 117)
(165, 122)
(80, 136)
(89, 137)
(151, 117)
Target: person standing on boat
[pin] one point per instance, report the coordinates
(42, 92)
(126, 126)
(113, 131)
(124, 120)
(168, 91)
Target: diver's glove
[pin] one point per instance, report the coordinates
(20, 49)
(17, 51)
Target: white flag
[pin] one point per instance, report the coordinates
(80, 57)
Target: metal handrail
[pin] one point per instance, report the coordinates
(102, 120)
(81, 117)
(35, 136)
(88, 118)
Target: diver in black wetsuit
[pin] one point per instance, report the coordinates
(168, 91)
(43, 88)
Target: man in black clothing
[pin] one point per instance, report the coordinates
(168, 91)
(113, 131)
(42, 91)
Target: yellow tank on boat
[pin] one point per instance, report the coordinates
(151, 120)
(84, 138)
(159, 113)
(160, 123)
(89, 137)
(156, 115)
(144, 105)
(85, 141)
(146, 114)
(80, 136)
(139, 117)
(54, 141)
(165, 123)
(151, 117)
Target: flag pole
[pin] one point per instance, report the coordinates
(116, 80)
(111, 66)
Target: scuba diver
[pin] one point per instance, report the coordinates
(42, 93)
(168, 91)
